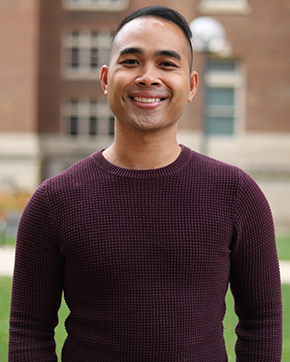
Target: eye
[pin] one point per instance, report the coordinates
(130, 62)
(168, 64)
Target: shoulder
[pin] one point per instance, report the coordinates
(76, 175)
(212, 169)
(211, 173)
(70, 183)
(250, 207)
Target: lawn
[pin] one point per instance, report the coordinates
(229, 322)
(283, 247)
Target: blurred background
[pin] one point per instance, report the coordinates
(53, 112)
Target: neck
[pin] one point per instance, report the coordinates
(143, 151)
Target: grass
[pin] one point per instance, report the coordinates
(283, 247)
(8, 241)
(229, 322)
(5, 290)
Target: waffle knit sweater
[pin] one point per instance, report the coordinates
(144, 258)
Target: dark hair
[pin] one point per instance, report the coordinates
(163, 13)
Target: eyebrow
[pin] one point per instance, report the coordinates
(168, 53)
(158, 53)
(131, 50)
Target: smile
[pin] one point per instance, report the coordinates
(147, 100)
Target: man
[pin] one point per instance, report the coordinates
(144, 237)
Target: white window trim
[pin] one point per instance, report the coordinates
(225, 7)
(101, 5)
(84, 43)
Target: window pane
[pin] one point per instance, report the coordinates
(73, 125)
(94, 57)
(75, 34)
(220, 97)
(93, 104)
(74, 57)
(73, 103)
(93, 125)
(221, 66)
(111, 125)
(220, 126)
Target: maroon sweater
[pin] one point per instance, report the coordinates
(144, 258)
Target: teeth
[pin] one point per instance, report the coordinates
(147, 100)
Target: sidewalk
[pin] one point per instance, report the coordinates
(285, 271)
(7, 261)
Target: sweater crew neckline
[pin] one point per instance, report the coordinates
(175, 166)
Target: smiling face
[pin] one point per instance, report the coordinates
(149, 81)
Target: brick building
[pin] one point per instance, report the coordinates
(53, 111)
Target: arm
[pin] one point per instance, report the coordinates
(37, 285)
(255, 278)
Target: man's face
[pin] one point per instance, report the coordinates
(149, 81)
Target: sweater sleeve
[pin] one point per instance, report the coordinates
(255, 278)
(37, 285)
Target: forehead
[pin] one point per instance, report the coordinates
(155, 32)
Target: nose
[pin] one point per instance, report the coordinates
(148, 77)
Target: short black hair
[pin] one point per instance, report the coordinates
(162, 12)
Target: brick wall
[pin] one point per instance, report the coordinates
(18, 65)
(260, 39)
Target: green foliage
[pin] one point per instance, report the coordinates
(14, 201)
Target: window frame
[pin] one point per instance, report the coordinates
(95, 5)
(223, 79)
(224, 6)
(83, 110)
(83, 42)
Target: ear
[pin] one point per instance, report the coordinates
(193, 85)
(104, 78)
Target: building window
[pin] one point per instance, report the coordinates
(224, 6)
(223, 96)
(89, 118)
(111, 125)
(95, 5)
(84, 53)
